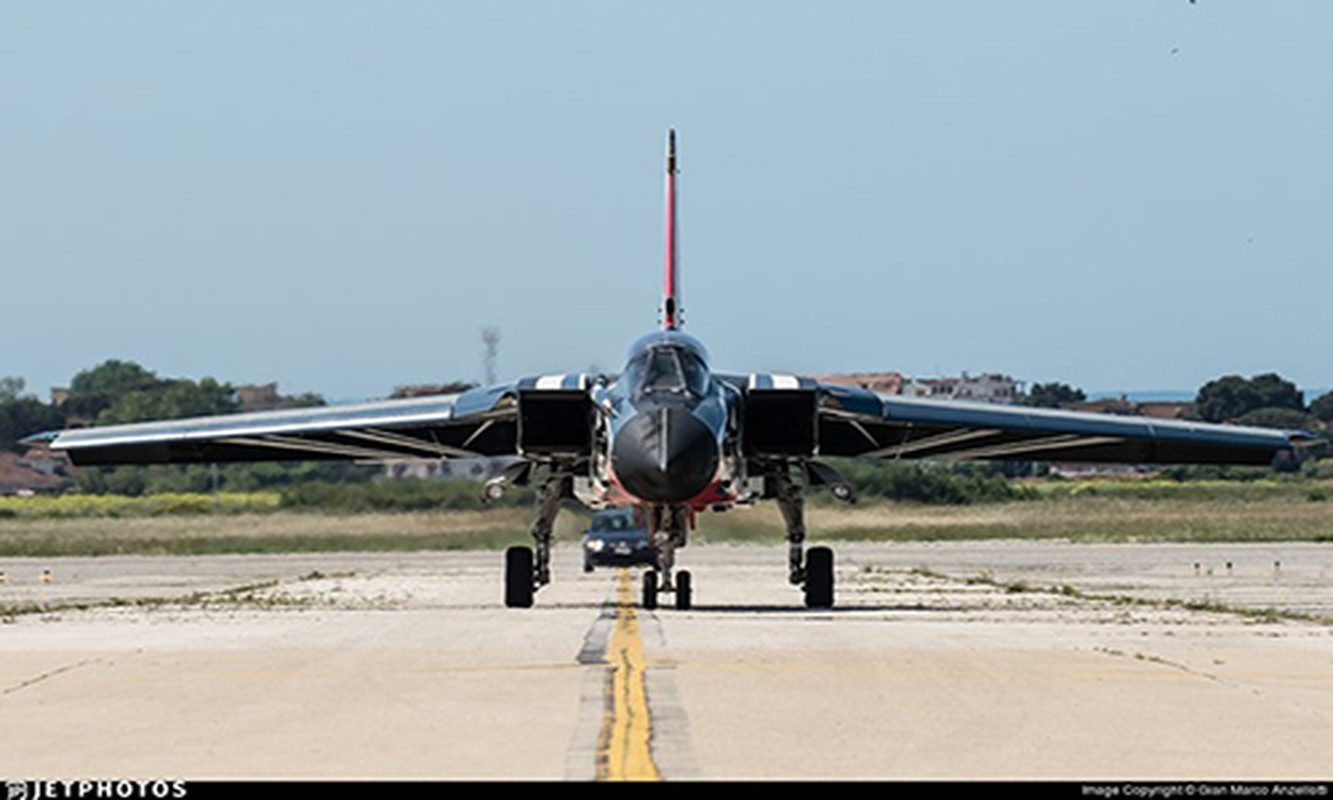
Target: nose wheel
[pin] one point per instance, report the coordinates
(649, 590)
(683, 590)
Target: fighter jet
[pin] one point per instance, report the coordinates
(672, 438)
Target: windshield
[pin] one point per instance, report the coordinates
(617, 522)
(668, 370)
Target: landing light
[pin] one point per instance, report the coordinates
(492, 490)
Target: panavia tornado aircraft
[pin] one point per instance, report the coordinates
(672, 438)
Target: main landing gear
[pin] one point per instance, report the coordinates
(527, 569)
(812, 570)
(518, 577)
(819, 578)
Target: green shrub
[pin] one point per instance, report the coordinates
(396, 495)
(934, 484)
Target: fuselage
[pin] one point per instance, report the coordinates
(667, 425)
(668, 422)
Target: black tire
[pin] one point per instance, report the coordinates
(587, 566)
(518, 577)
(684, 591)
(819, 578)
(649, 590)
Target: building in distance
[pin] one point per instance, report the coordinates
(989, 387)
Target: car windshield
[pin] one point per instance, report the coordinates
(612, 523)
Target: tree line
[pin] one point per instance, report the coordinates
(1265, 401)
(118, 392)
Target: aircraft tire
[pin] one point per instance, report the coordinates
(518, 577)
(684, 591)
(649, 590)
(819, 577)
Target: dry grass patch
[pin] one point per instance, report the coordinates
(1077, 518)
(265, 533)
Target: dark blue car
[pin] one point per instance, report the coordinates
(616, 538)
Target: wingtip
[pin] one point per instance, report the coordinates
(45, 437)
(1308, 444)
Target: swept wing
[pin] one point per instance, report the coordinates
(480, 422)
(856, 422)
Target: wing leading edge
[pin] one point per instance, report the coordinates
(480, 422)
(856, 422)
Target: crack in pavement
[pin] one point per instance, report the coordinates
(21, 685)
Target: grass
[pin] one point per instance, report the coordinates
(281, 532)
(80, 506)
(1202, 491)
(1202, 512)
(1084, 518)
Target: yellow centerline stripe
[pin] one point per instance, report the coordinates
(624, 751)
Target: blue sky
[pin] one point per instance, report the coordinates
(1127, 194)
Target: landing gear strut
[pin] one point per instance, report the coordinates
(551, 493)
(667, 531)
(792, 506)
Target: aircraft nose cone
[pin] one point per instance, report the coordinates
(664, 455)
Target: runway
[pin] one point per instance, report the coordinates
(954, 661)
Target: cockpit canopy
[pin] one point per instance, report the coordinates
(667, 363)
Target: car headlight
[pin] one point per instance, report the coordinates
(595, 545)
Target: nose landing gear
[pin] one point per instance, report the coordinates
(649, 600)
(683, 590)
(668, 529)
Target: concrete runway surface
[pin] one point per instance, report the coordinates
(955, 661)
